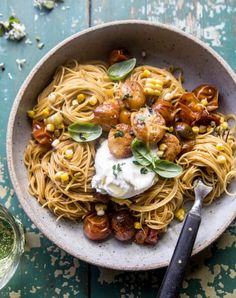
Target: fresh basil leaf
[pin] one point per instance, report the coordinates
(120, 70)
(85, 132)
(167, 169)
(141, 153)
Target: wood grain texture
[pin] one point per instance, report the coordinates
(45, 270)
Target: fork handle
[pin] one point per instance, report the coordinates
(174, 275)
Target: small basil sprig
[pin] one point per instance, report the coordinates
(145, 157)
(142, 154)
(120, 70)
(85, 132)
(167, 169)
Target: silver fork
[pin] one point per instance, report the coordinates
(173, 278)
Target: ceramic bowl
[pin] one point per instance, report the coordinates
(164, 46)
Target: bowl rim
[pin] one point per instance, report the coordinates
(9, 143)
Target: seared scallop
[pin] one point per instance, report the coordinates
(107, 114)
(148, 125)
(119, 141)
(172, 146)
(132, 95)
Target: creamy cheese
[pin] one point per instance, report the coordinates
(120, 178)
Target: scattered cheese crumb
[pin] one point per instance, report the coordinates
(20, 63)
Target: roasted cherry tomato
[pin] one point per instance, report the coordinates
(207, 118)
(40, 134)
(141, 235)
(123, 225)
(96, 227)
(166, 109)
(191, 109)
(183, 130)
(187, 146)
(118, 55)
(152, 237)
(210, 93)
(146, 235)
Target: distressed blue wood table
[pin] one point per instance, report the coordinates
(45, 270)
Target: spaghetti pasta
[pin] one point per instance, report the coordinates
(60, 173)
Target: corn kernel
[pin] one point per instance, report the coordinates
(225, 125)
(64, 177)
(146, 73)
(209, 128)
(149, 91)
(202, 129)
(221, 159)
(163, 147)
(50, 127)
(137, 225)
(55, 119)
(150, 85)
(154, 81)
(168, 96)
(31, 114)
(93, 100)
(222, 119)
(157, 92)
(160, 153)
(219, 146)
(60, 126)
(204, 102)
(81, 97)
(57, 133)
(179, 214)
(69, 153)
(55, 143)
(75, 102)
(100, 213)
(109, 92)
(195, 129)
(171, 129)
(52, 97)
(100, 209)
(58, 175)
(46, 112)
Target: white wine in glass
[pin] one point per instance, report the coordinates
(11, 245)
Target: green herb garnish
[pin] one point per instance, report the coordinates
(12, 28)
(85, 132)
(145, 157)
(142, 154)
(116, 169)
(118, 134)
(143, 171)
(120, 70)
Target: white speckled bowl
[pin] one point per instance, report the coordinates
(164, 45)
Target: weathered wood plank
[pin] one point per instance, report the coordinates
(45, 270)
(213, 22)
